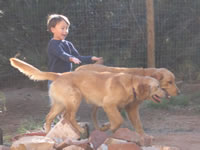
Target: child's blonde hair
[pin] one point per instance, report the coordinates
(53, 19)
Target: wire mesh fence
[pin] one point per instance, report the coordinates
(113, 29)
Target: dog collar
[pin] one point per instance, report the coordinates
(134, 94)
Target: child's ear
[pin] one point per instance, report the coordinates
(52, 29)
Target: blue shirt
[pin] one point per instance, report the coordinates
(59, 52)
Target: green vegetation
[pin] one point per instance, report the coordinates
(25, 127)
(29, 125)
(180, 101)
(7, 139)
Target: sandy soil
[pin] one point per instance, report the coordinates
(178, 127)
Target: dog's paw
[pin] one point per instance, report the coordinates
(146, 140)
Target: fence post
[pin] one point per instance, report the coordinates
(150, 33)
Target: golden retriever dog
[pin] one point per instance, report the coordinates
(111, 91)
(164, 76)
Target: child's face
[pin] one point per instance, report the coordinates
(60, 31)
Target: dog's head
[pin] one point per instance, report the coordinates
(149, 88)
(167, 81)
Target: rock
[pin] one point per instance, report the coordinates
(159, 147)
(63, 130)
(33, 143)
(131, 136)
(126, 134)
(39, 133)
(4, 147)
(124, 146)
(73, 147)
(79, 143)
(110, 141)
(97, 138)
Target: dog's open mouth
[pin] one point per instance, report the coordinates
(167, 94)
(156, 99)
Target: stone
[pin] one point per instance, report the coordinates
(110, 141)
(97, 138)
(79, 143)
(124, 146)
(63, 130)
(73, 147)
(131, 136)
(33, 143)
(4, 147)
(159, 147)
(126, 134)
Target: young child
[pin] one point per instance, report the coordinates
(62, 53)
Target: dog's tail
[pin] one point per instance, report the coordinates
(32, 72)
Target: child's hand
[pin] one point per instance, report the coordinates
(98, 60)
(75, 60)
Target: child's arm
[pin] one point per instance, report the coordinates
(85, 59)
(75, 60)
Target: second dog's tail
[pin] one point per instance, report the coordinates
(32, 72)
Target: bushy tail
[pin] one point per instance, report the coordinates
(32, 72)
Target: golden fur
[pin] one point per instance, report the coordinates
(110, 91)
(164, 76)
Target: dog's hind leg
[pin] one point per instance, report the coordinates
(72, 99)
(105, 127)
(54, 111)
(94, 117)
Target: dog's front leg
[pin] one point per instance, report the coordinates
(133, 114)
(114, 116)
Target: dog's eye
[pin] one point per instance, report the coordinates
(158, 87)
(170, 82)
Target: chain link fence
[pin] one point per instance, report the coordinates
(113, 29)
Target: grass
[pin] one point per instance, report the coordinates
(27, 125)
(182, 100)
(7, 139)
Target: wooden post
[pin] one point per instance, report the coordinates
(150, 34)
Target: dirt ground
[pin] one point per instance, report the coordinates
(179, 126)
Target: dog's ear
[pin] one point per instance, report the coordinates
(143, 91)
(157, 75)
